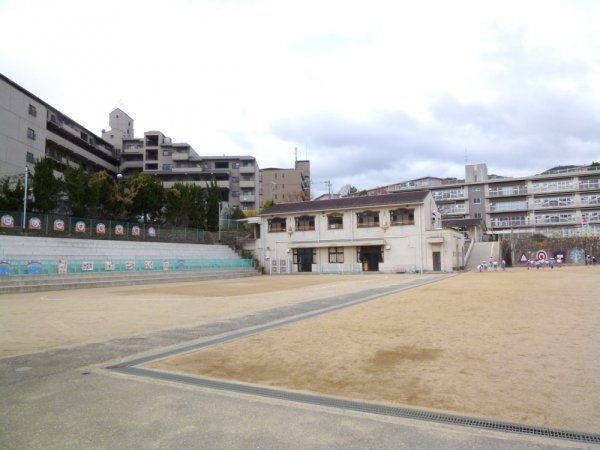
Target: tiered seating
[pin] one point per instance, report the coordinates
(39, 263)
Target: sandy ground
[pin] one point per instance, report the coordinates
(519, 345)
(43, 320)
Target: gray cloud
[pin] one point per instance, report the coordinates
(543, 112)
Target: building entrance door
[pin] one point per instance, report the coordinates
(370, 257)
(305, 259)
(437, 261)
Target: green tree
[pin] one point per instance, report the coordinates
(213, 200)
(267, 204)
(75, 185)
(104, 197)
(238, 214)
(147, 195)
(175, 205)
(11, 193)
(196, 206)
(184, 205)
(46, 187)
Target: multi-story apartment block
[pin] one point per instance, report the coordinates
(286, 185)
(563, 201)
(172, 162)
(31, 129)
(381, 233)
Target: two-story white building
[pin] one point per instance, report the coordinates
(383, 233)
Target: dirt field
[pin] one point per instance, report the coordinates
(520, 345)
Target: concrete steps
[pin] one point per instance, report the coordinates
(13, 285)
(25, 247)
(202, 262)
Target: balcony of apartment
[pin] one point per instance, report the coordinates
(248, 169)
(553, 203)
(507, 206)
(455, 209)
(131, 164)
(589, 201)
(247, 184)
(556, 219)
(180, 155)
(69, 132)
(506, 191)
(449, 195)
(554, 186)
(510, 222)
(247, 198)
(589, 184)
(133, 148)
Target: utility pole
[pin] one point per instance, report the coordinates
(25, 199)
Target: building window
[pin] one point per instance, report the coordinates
(477, 215)
(305, 223)
(276, 225)
(402, 216)
(167, 167)
(235, 193)
(31, 134)
(29, 158)
(222, 165)
(367, 219)
(477, 200)
(235, 179)
(32, 111)
(336, 255)
(335, 221)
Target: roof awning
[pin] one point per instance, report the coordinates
(338, 243)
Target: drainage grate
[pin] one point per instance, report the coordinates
(352, 405)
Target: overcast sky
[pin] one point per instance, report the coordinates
(371, 92)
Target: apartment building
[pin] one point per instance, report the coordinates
(563, 201)
(382, 233)
(31, 129)
(286, 185)
(177, 162)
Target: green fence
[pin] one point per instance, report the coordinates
(32, 267)
(55, 225)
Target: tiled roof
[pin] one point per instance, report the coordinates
(368, 201)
